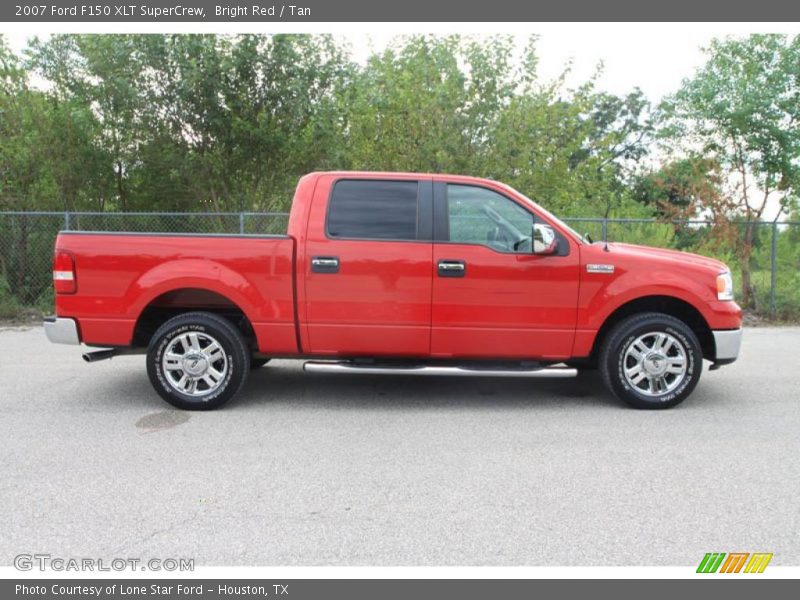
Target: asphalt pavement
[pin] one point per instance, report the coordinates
(312, 469)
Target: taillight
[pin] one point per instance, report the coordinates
(64, 272)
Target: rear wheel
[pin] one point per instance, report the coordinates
(197, 361)
(651, 361)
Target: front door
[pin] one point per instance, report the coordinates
(491, 296)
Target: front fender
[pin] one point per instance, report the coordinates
(600, 297)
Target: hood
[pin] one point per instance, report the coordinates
(675, 256)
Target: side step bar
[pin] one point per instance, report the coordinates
(318, 366)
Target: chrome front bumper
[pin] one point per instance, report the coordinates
(61, 331)
(727, 343)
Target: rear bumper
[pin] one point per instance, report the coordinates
(727, 343)
(61, 331)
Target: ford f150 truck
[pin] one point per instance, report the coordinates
(397, 273)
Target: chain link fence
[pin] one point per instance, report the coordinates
(27, 238)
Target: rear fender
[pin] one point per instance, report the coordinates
(197, 274)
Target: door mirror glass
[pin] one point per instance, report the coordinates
(544, 239)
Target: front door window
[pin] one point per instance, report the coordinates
(480, 216)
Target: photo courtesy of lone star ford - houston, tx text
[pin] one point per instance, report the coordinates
(351, 299)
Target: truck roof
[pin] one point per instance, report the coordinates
(401, 175)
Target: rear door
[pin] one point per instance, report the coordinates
(368, 267)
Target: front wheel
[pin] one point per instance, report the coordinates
(651, 361)
(197, 361)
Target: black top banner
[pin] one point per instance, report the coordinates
(315, 11)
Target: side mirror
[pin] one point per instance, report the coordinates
(544, 239)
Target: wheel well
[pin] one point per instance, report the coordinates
(176, 302)
(664, 304)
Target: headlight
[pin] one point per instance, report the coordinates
(725, 286)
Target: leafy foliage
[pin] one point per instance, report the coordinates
(205, 122)
(228, 123)
(740, 114)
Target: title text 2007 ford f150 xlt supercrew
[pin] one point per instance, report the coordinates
(397, 273)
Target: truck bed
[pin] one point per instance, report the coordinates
(121, 275)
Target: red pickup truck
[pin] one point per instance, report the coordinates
(397, 273)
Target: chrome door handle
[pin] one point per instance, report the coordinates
(325, 264)
(452, 268)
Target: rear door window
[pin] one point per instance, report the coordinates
(373, 210)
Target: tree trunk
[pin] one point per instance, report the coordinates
(123, 201)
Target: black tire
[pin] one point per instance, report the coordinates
(645, 394)
(234, 356)
(257, 363)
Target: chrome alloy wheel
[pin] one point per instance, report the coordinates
(194, 363)
(655, 363)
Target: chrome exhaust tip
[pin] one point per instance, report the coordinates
(97, 355)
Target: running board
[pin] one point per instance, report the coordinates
(316, 366)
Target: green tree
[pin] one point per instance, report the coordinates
(461, 105)
(572, 151)
(426, 104)
(96, 85)
(241, 117)
(742, 110)
(188, 122)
